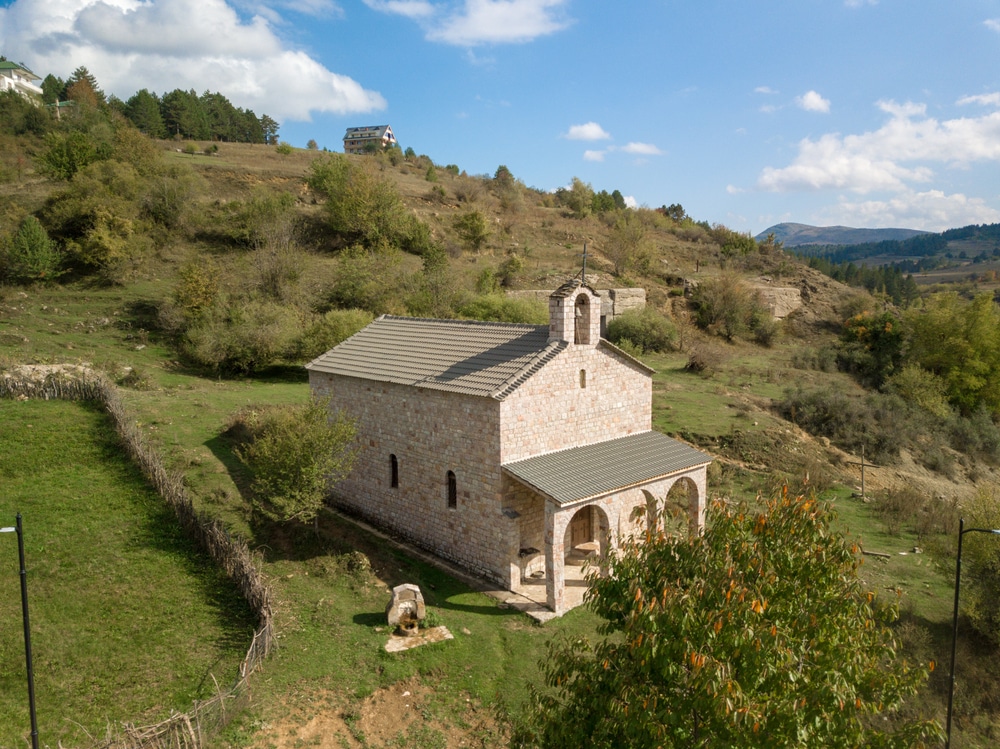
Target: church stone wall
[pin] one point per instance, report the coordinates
(430, 432)
(551, 411)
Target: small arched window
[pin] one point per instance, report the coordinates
(581, 332)
(452, 490)
(394, 472)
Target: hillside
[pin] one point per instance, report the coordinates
(218, 307)
(799, 235)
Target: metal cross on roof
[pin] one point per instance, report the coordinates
(583, 273)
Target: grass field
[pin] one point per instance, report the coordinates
(128, 620)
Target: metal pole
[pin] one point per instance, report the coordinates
(27, 634)
(954, 631)
(962, 530)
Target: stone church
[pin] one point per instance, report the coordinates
(509, 449)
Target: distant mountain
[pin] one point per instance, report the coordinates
(797, 235)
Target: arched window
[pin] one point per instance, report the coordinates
(394, 468)
(452, 490)
(581, 331)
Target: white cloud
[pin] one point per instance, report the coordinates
(594, 155)
(993, 24)
(890, 158)
(904, 110)
(765, 90)
(188, 44)
(859, 3)
(987, 100)
(813, 102)
(408, 8)
(630, 201)
(931, 210)
(587, 131)
(643, 149)
(472, 22)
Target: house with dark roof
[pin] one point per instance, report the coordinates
(511, 450)
(361, 139)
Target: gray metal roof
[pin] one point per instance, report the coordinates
(590, 471)
(367, 131)
(465, 356)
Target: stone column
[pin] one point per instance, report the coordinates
(555, 558)
(697, 494)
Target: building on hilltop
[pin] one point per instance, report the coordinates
(16, 77)
(509, 449)
(360, 139)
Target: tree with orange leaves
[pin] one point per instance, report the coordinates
(757, 633)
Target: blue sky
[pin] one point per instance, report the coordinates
(857, 112)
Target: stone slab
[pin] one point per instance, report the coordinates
(399, 643)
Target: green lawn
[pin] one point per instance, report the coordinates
(128, 620)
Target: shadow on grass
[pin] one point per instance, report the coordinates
(160, 530)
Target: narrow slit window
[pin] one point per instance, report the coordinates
(583, 378)
(452, 490)
(394, 471)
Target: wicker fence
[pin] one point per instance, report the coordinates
(206, 718)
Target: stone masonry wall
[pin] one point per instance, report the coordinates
(430, 432)
(551, 411)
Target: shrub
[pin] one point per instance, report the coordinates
(366, 280)
(29, 255)
(647, 329)
(197, 287)
(727, 306)
(65, 154)
(871, 347)
(285, 149)
(983, 561)
(360, 205)
(329, 330)
(501, 308)
(294, 454)
(921, 388)
(468, 190)
(472, 229)
(312, 145)
(627, 247)
(242, 337)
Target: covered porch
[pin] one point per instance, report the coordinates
(571, 507)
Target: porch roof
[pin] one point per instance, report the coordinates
(589, 471)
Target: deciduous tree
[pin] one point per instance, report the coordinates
(757, 633)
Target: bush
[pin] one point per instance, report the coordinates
(921, 388)
(242, 337)
(647, 329)
(982, 555)
(501, 308)
(294, 454)
(329, 330)
(360, 205)
(726, 306)
(472, 229)
(29, 255)
(285, 149)
(627, 247)
(367, 280)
